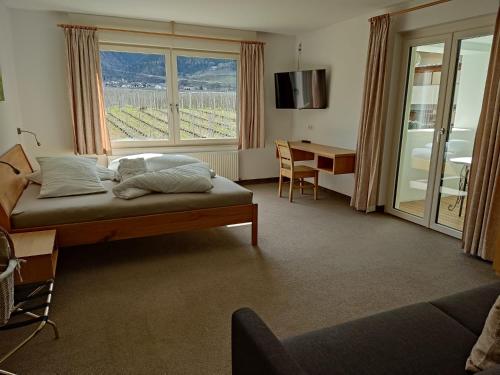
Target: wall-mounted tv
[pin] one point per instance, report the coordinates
(305, 89)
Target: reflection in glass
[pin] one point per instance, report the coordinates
(470, 79)
(419, 119)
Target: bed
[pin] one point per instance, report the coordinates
(94, 218)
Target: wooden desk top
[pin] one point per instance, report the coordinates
(323, 150)
(29, 244)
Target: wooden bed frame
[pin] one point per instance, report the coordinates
(12, 186)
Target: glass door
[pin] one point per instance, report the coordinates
(466, 87)
(441, 103)
(421, 116)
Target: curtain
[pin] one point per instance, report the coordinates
(85, 91)
(481, 235)
(370, 135)
(251, 96)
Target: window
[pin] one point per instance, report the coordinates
(135, 95)
(207, 97)
(169, 97)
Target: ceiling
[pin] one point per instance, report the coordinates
(280, 16)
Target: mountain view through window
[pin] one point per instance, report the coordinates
(138, 107)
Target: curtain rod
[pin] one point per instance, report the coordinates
(158, 33)
(417, 7)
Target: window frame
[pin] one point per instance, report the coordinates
(175, 52)
(172, 90)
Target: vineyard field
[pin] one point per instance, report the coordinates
(142, 115)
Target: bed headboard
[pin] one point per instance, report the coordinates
(12, 185)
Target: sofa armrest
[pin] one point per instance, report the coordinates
(256, 350)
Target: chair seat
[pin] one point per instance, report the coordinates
(300, 171)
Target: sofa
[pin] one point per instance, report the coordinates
(433, 337)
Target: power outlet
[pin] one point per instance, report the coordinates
(309, 127)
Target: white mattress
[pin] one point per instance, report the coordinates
(30, 211)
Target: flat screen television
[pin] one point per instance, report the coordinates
(305, 89)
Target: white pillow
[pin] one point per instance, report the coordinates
(106, 173)
(116, 162)
(159, 162)
(486, 352)
(69, 175)
(131, 167)
(103, 173)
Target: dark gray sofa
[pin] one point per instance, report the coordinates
(426, 338)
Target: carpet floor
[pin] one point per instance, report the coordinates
(163, 305)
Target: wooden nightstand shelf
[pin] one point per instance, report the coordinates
(39, 249)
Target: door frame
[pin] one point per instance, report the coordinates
(450, 34)
(404, 79)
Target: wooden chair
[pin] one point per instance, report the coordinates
(293, 172)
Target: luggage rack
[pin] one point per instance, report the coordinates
(31, 306)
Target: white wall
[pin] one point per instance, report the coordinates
(40, 62)
(471, 89)
(10, 114)
(41, 78)
(342, 48)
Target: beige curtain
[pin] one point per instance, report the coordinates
(370, 136)
(251, 96)
(481, 235)
(85, 91)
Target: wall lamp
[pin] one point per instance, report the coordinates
(14, 169)
(20, 131)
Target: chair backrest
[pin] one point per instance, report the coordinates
(285, 154)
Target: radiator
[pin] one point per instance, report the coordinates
(224, 163)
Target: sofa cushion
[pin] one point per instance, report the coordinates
(491, 371)
(470, 308)
(417, 339)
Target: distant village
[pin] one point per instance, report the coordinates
(184, 85)
(134, 85)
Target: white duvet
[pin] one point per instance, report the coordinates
(188, 178)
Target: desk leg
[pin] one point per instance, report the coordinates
(255, 225)
(316, 186)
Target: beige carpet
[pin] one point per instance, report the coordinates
(163, 305)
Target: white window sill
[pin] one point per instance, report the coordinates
(130, 149)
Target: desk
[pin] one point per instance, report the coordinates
(334, 160)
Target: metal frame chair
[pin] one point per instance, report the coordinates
(31, 306)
